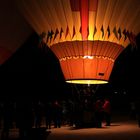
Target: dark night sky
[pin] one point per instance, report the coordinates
(30, 72)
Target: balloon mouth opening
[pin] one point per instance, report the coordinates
(86, 81)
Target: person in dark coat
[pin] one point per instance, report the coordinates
(48, 114)
(107, 111)
(24, 118)
(57, 114)
(8, 119)
(98, 113)
(138, 112)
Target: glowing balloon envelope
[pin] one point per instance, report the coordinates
(86, 35)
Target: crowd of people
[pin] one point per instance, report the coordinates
(25, 114)
(29, 114)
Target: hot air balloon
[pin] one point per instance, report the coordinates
(87, 36)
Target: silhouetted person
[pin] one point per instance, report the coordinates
(57, 114)
(133, 110)
(107, 111)
(138, 112)
(70, 112)
(98, 113)
(24, 118)
(1, 113)
(78, 114)
(7, 117)
(48, 114)
(38, 109)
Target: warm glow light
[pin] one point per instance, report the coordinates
(87, 56)
(87, 81)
